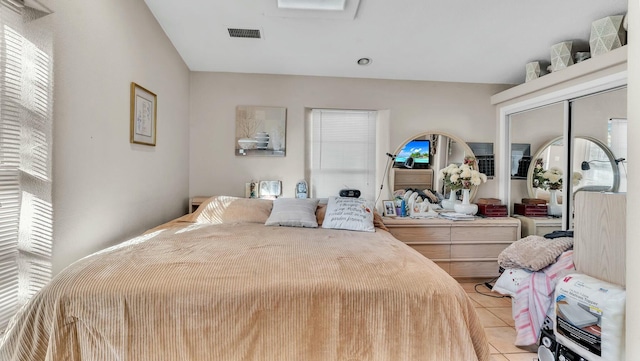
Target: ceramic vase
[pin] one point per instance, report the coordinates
(561, 55)
(451, 201)
(466, 207)
(607, 34)
(532, 71)
(553, 208)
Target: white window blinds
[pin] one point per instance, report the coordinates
(342, 152)
(26, 93)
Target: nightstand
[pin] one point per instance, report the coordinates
(465, 249)
(195, 202)
(538, 225)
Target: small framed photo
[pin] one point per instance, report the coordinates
(143, 115)
(389, 208)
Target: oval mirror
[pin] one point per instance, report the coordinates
(420, 169)
(594, 167)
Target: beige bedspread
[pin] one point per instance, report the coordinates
(250, 292)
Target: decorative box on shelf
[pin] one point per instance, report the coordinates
(530, 210)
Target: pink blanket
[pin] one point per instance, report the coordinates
(535, 296)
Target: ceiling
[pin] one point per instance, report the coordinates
(487, 41)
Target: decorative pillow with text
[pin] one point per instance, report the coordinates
(353, 214)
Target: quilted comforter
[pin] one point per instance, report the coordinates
(189, 291)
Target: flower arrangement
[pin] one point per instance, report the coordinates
(462, 176)
(546, 178)
(550, 178)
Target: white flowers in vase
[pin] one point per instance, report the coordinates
(462, 176)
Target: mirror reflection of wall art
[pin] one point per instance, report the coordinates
(143, 115)
(260, 130)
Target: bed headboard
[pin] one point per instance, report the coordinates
(600, 235)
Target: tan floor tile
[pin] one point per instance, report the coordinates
(502, 339)
(492, 350)
(498, 357)
(476, 304)
(488, 319)
(490, 302)
(504, 314)
(527, 356)
(469, 287)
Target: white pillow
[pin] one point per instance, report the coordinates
(293, 212)
(353, 214)
(510, 280)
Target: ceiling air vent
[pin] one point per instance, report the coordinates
(244, 33)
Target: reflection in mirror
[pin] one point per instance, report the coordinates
(591, 117)
(530, 129)
(444, 149)
(549, 156)
(594, 166)
(617, 142)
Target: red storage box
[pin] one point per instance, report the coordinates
(530, 210)
(533, 201)
(492, 210)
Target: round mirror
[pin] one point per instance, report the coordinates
(419, 159)
(594, 167)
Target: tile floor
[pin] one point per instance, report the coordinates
(495, 314)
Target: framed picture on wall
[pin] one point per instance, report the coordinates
(143, 115)
(260, 130)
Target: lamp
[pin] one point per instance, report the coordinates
(586, 164)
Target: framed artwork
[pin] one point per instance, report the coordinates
(260, 130)
(389, 208)
(143, 115)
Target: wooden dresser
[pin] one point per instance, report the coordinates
(465, 249)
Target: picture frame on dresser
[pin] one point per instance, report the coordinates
(144, 116)
(389, 208)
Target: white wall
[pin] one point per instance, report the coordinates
(633, 193)
(461, 109)
(104, 188)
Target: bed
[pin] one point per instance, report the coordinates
(220, 284)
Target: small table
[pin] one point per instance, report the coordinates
(538, 225)
(195, 202)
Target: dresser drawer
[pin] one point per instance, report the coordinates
(464, 249)
(500, 233)
(477, 250)
(433, 251)
(474, 269)
(422, 234)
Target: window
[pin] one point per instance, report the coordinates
(26, 94)
(342, 152)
